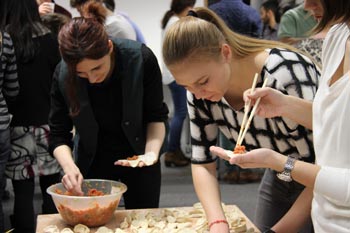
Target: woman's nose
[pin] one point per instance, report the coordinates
(309, 5)
(91, 78)
(199, 93)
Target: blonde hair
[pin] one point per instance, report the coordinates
(201, 37)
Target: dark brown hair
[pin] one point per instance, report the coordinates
(334, 11)
(177, 6)
(94, 9)
(79, 39)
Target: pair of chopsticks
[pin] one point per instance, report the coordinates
(246, 121)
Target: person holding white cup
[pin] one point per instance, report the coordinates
(49, 6)
(46, 6)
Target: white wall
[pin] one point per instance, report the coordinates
(146, 14)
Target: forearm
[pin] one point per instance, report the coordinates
(207, 189)
(155, 137)
(298, 110)
(298, 214)
(63, 155)
(304, 173)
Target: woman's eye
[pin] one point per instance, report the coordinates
(203, 83)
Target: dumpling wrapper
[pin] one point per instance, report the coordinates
(230, 153)
(80, 228)
(104, 230)
(51, 229)
(148, 159)
(67, 230)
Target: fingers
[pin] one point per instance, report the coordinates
(238, 159)
(72, 182)
(220, 152)
(122, 163)
(44, 9)
(147, 159)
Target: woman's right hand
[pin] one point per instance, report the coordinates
(271, 103)
(72, 180)
(45, 8)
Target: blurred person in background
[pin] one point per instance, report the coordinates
(37, 55)
(174, 156)
(116, 25)
(45, 7)
(270, 17)
(295, 24)
(9, 88)
(238, 16)
(110, 4)
(312, 45)
(54, 22)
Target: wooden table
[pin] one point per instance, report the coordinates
(119, 216)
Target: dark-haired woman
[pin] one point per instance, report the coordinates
(174, 155)
(37, 56)
(111, 92)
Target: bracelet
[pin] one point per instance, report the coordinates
(217, 221)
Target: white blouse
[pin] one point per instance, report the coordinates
(331, 125)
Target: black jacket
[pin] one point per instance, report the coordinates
(135, 115)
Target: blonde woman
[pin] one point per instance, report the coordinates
(216, 66)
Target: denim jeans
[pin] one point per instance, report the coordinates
(178, 94)
(5, 150)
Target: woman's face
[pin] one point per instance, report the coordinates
(96, 71)
(206, 78)
(315, 8)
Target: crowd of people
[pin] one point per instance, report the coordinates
(67, 84)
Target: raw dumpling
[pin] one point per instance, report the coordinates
(51, 229)
(80, 228)
(67, 230)
(104, 230)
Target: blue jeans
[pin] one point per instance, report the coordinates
(178, 94)
(5, 150)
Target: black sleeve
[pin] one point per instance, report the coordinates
(54, 53)
(59, 120)
(155, 110)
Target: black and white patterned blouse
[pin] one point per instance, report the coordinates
(289, 72)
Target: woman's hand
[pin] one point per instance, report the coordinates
(271, 103)
(45, 8)
(259, 158)
(147, 159)
(72, 180)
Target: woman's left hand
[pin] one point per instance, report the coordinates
(259, 158)
(147, 159)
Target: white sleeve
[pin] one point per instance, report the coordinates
(334, 184)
